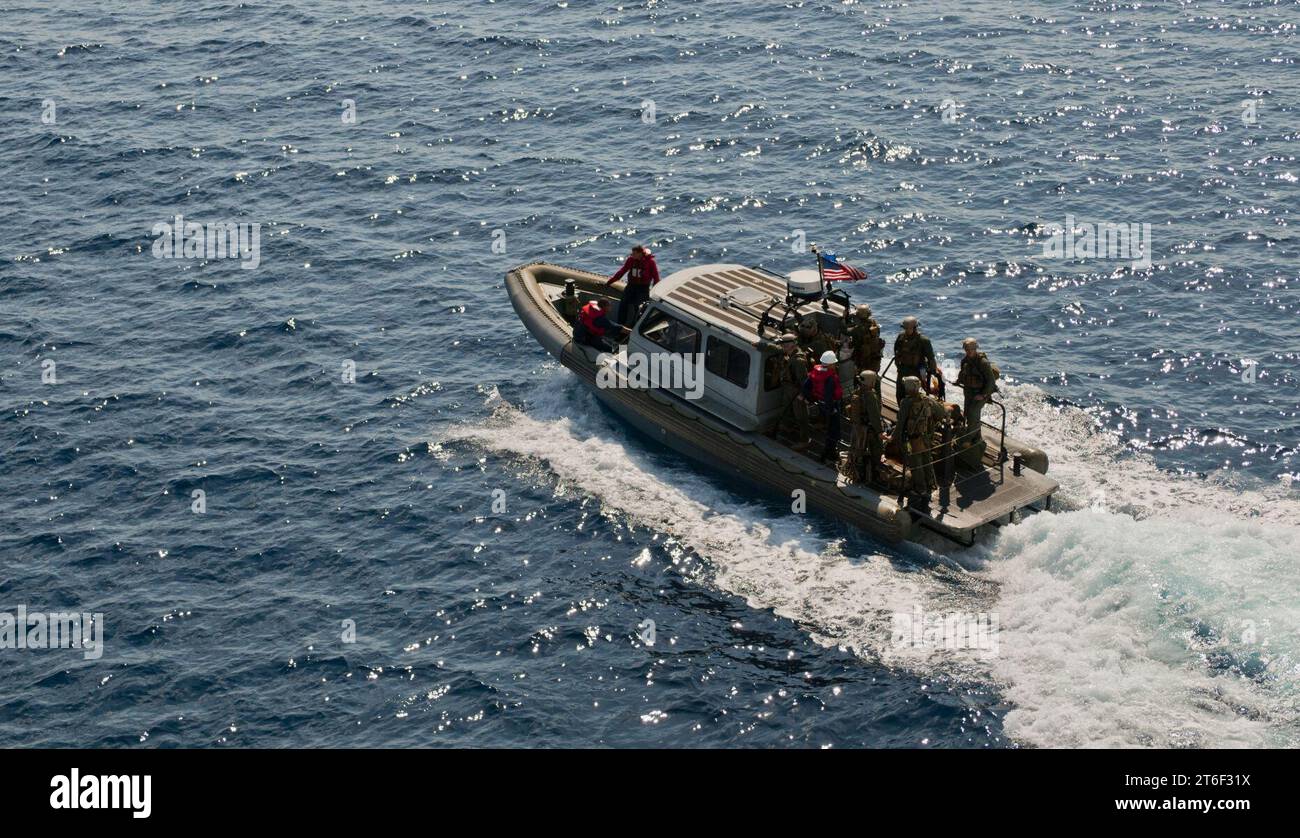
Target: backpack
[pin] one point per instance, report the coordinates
(993, 368)
(918, 416)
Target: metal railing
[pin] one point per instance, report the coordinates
(949, 460)
(791, 304)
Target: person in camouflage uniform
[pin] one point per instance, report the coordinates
(794, 369)
(865, 428)
(813, 342)
(914, 432)
(864, 337)
(913, 356)
(868, 348)
(978, 382)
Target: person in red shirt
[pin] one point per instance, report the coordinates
(594, 328)
(642, 272)
(822, 389)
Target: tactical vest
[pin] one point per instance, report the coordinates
(971, 376)
(860, 410)
(910, 350)
(918, 417)
(866, 347)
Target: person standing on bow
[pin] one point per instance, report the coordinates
(642, 273)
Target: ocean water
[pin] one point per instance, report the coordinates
(351, 580)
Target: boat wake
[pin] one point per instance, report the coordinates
(1132, 616)
(1155, 610)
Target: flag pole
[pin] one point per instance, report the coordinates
(821, 278)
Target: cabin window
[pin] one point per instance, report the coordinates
(671, 333)
(727, 361)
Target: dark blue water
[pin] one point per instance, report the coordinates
(1157, 607)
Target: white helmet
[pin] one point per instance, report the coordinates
(828, 358)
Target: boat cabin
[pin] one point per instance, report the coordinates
(731, 316)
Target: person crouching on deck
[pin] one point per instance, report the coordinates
(594, 327)
(822, 388)
(642, 272)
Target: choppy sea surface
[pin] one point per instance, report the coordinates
(348, 582)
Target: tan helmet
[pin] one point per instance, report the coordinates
(868, 378)
(970, 343)
(911, 384)
(909, 320)
(863, 311)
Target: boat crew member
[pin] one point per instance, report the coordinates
(812, 340)
(914, 431)
(794, 369)
(642, 272)
(913, 356)
(594, 326)
(822, 388)
(979, 381)
(868, 347)
(568, 304)
(865, 444)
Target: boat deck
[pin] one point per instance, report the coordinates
(973, 499)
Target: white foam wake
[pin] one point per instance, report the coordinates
(1162, 611)
(780, 563)
(1133, 619)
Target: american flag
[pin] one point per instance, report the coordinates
(836, 271)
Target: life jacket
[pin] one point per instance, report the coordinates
(642, 271)
(824, 385)
(588, 316)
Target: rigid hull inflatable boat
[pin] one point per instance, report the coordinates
(729, 423)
